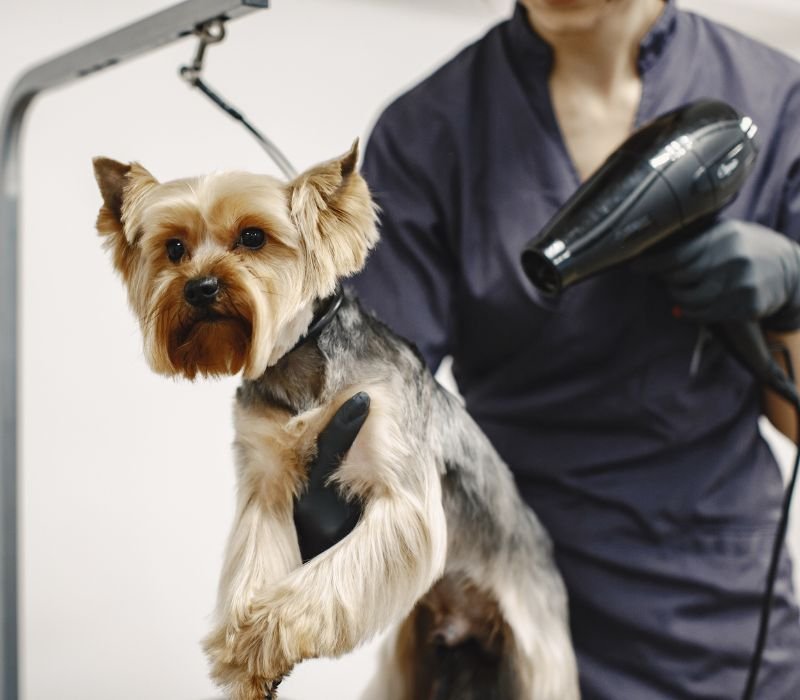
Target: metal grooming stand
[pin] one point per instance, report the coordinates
(140, 37)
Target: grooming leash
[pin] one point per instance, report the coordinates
(213, 32)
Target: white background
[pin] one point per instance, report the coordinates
(127, 481)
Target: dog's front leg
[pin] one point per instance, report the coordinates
(344, 596)
(262, 547)
(367, 581)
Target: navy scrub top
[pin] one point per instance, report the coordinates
(654, 482)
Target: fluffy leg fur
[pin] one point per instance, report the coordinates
(360, 586)
(262, 547)
(497, 542)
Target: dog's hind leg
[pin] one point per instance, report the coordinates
(497, 542)
(455, 645)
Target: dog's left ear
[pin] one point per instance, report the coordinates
(334, 211)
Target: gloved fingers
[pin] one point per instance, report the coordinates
(722, 297)
(686, 276)
(322, 518)
(693, 297)
(732, 271)
(701, 253)
(327, 512)
(678, 259)
(337, 437)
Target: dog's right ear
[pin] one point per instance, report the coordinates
(111, 177)
(121, 186)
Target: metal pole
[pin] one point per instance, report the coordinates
(140, 37)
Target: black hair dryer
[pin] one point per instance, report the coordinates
(676, 170)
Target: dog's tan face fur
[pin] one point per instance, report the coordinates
(316, 230)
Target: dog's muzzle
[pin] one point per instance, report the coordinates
(201, 291)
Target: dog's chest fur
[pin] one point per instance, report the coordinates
(354, 349)
(280, 414)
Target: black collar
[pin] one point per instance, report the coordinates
(322, 317)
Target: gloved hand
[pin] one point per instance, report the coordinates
(321, 516)
(734, 271)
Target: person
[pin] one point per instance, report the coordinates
(631, 432)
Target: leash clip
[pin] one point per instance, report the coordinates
(212, 32)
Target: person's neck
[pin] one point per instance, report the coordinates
(600, 54)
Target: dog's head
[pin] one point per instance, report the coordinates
(223, 271)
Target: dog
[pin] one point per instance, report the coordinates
(226, 273)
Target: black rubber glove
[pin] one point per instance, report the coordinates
(321, 516)
(734, 271)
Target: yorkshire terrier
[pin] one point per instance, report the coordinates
(226, 273)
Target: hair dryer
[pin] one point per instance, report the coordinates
(676, 170)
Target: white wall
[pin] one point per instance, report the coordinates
(127, 483)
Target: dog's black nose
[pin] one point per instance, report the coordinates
(201, 291)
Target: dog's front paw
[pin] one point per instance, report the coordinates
(246, 659)
(253, 688)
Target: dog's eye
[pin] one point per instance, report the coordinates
(175, 249)
(252, 237)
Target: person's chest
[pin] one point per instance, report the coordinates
(593, 121)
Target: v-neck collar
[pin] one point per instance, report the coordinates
(533, 55)
(531, 59)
